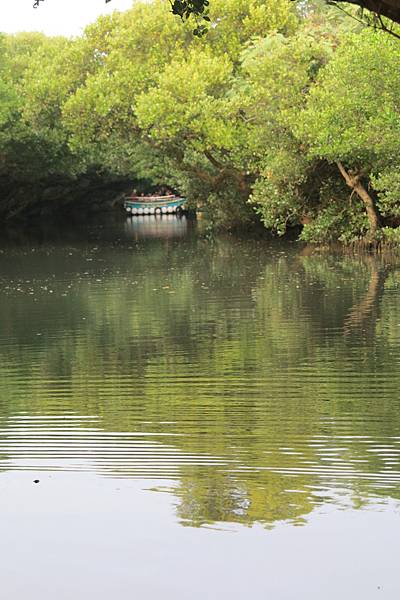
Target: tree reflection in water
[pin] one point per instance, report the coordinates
(251, 380)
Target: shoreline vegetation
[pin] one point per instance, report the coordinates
(284, 115)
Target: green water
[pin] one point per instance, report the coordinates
(229, 383)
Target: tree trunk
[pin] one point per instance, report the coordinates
(353, 181)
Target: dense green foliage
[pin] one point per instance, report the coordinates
(375, 11)
(285, 115)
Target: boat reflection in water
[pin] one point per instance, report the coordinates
(156, 226)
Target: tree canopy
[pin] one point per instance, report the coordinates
(384, 8)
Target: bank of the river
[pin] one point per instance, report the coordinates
(62, 198)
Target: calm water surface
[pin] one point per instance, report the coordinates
(206, 419)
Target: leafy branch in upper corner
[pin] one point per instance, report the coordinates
(192, 8)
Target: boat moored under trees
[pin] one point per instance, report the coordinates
(154, 205)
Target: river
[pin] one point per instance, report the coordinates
(203, 418)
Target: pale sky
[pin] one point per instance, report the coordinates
(55, 17)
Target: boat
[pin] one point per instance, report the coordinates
(154, 205)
